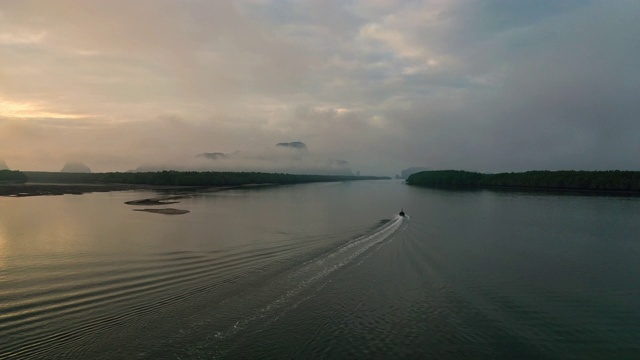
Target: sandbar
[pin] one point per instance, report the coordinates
(162, 200)
(165, 211)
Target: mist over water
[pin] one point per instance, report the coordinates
(321, 271)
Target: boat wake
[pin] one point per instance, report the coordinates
(188, 304)
(287, 291)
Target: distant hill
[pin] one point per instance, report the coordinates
(3, 165)
(75, 167)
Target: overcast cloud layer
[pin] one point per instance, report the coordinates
(493, 85)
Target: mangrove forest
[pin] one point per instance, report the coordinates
(185, 178)
(614, 180)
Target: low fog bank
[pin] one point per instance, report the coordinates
(292, 158)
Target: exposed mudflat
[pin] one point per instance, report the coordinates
(21, 190)
(166, 211)
(42, 189)
(162, 200)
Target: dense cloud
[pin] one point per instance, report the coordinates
(288, 157)
(298, 145)
(488, 85)
(214, 155)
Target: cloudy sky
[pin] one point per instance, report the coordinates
(486, 85)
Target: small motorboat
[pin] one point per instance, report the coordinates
(401, 212)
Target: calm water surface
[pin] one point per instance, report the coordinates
(321, 271)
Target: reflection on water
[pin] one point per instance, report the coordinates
(321, 270)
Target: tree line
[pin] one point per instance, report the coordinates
(213, 178)
(187, 178)
(12, 176)
(613, 180)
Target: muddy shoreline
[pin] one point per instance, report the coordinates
(42, 189)
(35, 189)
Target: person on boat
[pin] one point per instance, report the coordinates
(401, 212)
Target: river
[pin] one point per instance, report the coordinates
(325, 270)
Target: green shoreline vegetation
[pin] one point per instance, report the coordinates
(12, 176)
(187, 178)
(592, 181)
(32, 183)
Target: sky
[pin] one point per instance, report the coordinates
(370, 86)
